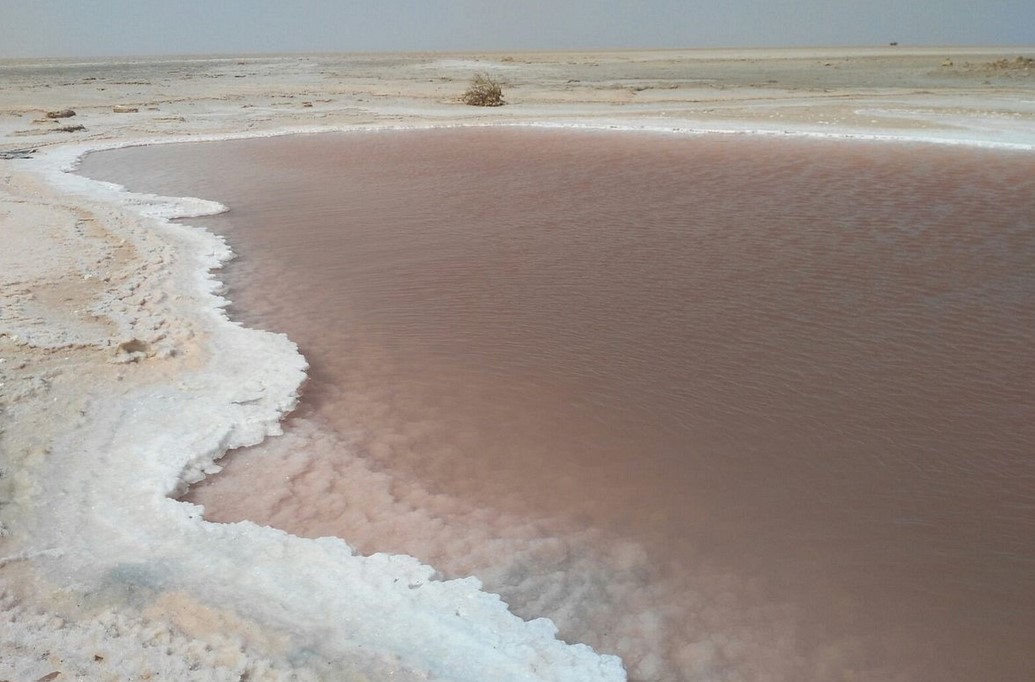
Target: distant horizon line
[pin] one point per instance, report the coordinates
(890, 46)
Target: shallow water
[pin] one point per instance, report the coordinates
(732, 408)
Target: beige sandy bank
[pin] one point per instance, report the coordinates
(121, 381)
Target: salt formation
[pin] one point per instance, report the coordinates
(150, 383)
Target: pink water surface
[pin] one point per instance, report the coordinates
(732, 408)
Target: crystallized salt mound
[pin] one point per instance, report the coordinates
(112, 646)
(142, 405)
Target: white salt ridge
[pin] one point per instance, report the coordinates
(110, 527)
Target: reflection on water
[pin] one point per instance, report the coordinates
(731, 408)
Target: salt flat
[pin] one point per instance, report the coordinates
(121, 381)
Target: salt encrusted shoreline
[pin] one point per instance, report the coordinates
(121, 379)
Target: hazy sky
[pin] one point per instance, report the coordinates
(31, 28)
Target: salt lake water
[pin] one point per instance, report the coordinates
(730, 407)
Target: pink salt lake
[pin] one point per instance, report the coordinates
(732, 408)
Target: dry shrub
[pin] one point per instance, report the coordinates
(484, 91)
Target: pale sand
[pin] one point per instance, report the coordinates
(120, 380)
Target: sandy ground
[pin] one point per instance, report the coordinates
(105, 313)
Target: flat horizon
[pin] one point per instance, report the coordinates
(907, 49)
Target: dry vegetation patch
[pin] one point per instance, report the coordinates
(484, 91)
(1020, 66)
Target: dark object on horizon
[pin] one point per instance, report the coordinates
(893, 43)
(64, 113)
(483, 92)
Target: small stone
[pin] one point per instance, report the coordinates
(124, 110)
(64, 113)
(132, 351)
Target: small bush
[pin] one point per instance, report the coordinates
(484, 91)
